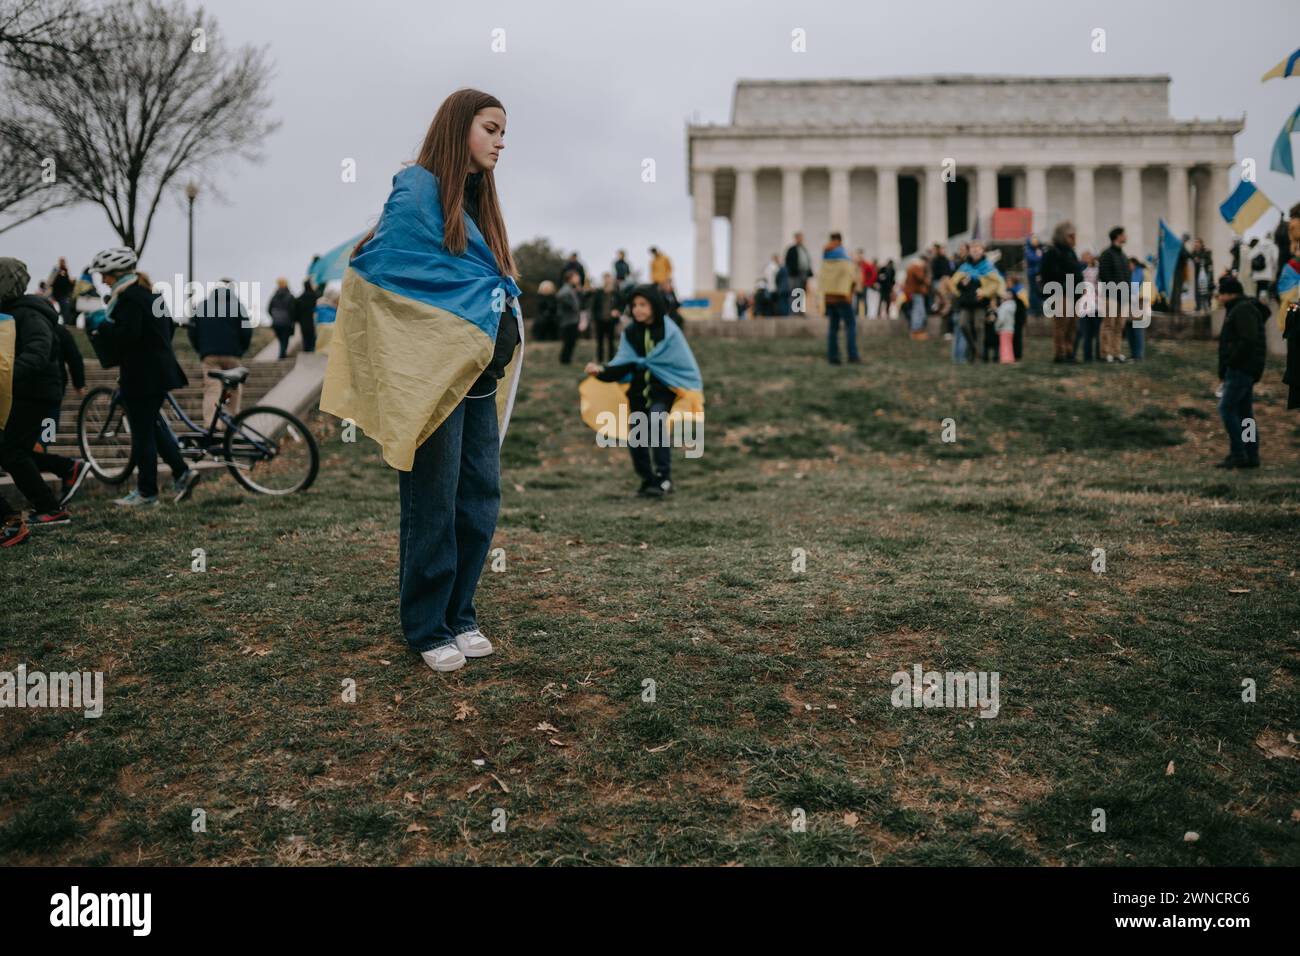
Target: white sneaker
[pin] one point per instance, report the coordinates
(474, 644)
(445, 658)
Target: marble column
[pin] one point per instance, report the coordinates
(1130, 210)
(936, 208)
(1036, 196)
(744, 222)
(1085, 208)
(986, 198)
(1216, 233)
(791, 204)
(839, 202)
(1179, 217)
(887, 241)
(702, 193)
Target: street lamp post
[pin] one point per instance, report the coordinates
(191, 192)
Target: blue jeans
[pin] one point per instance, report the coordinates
(963, 333)
(838, 312)
(450, 499)
(1137, 341)
(1234, 407)
(917, 306)
(1089, 334)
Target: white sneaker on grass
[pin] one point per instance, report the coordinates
(474, 644)
(445, 658)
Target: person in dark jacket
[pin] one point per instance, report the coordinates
(606, 310)
(798, 269)
(37, 384)
(1060, 293)
(568, 309)
(61, 285)
(1113, 294)
(280, 309)
(1242, 354)
(304, 312)
(544, 329)
(141, 332)
(221, 333)
(885, 279)
(646, 394)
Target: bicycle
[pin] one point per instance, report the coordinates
(266, 449)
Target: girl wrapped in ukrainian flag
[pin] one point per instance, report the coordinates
(425, 359)
(650, 388)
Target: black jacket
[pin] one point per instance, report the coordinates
(281, 308)
(507, 326)
(221, 325)
(304, 306)
(641, 378)
(1060, 261)
(603, 302)
(1243, 343)
(38, 356)
(142, 331)
(1112, 265)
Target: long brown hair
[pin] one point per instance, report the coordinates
(445, 153)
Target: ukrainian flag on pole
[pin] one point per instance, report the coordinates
(1288, 67)
(415, 329)
(1243, 208)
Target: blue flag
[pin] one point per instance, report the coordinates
(1168, 250)
(1281, 161)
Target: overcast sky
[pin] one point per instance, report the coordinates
(591, 88)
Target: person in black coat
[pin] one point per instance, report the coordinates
(37, 385)
(1242, 354)
(280, 309)
(304, 314)
(141, 332)
(221, 333)
(606, 310)
(1060, 292)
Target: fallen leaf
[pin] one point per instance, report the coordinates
(416, 828)
(558, 743)
(545, 728)
(1169, 771)
(850, 819)
(463, 710)
(1191, 836)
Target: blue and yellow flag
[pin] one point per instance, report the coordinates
(1288, 289)
(1168, 250)
(1287, 67)
(416, 326)
(986, 274)
(8, 345)
(1281, 161)
(1243, 208)
(670, 361)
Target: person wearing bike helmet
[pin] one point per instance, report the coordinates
(141, 330)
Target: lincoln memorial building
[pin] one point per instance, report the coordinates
(896, 164)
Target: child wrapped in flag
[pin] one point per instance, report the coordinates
(649, 395)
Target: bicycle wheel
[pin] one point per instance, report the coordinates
(104, 435)
(270, 451)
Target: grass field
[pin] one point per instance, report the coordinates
(1120, 691)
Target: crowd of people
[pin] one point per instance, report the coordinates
(572, 305)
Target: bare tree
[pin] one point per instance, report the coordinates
(158, 96)
(38, 32)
